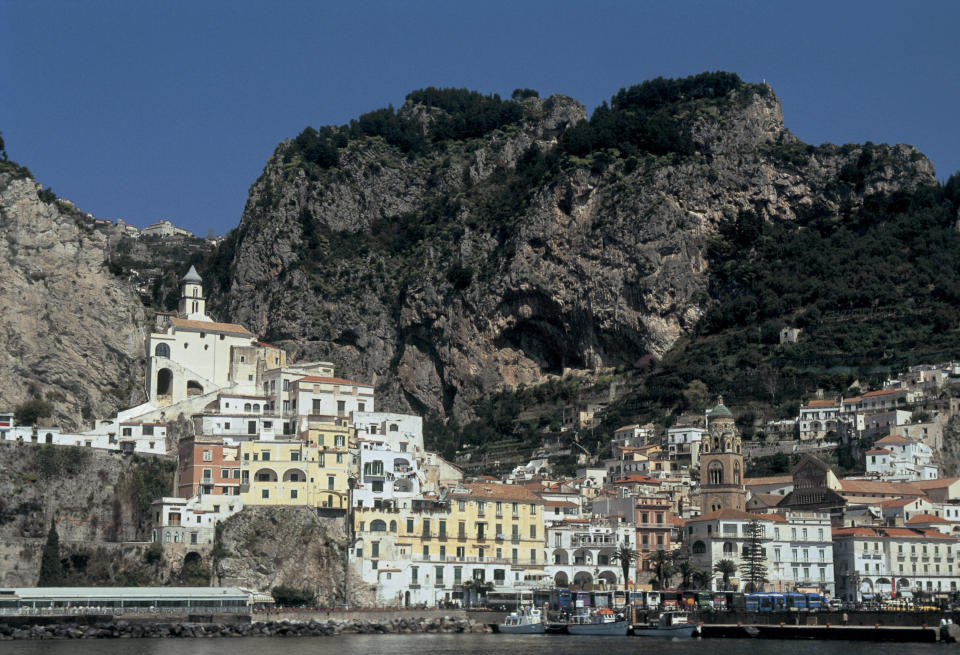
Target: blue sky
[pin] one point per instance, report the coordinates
(149, 110)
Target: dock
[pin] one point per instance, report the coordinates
(921, 634)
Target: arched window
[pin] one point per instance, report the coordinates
(256, 407)
(378, 526)
(736, 472)
(699, 548)
(728, 548)
(393, 526)
(246, 407)
(162, 350)
(394, 427)
(715, 472)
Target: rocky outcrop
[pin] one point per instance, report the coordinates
(440, 277)
(267, 547)
(70, 331)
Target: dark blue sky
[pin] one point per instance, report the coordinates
(166, 109)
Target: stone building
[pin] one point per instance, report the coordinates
(721, 463)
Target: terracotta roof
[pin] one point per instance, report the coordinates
(878, 451)
(938, 483)
(880, 392)
(210, 326)
(850, 401)
(822, 403)
(559, 503)
(676, 520)
(315, 378)
(496, 491)
(912, 533)
(637, 478)
(927, 518)
(264, 344)
(902, 502)
(880, 487)
(772, 479)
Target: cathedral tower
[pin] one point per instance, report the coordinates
(721, 463)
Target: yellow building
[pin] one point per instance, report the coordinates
(484, 523)
(293, 473)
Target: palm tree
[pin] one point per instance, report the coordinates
(687, 570)
(662, 566)
(726, 568)
(626, 556)
(701, 579)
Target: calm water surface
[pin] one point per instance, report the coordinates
(464, 644)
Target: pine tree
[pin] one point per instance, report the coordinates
(51, 568)
(754, 568)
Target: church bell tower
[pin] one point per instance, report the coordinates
(721, 463)
(193, 305)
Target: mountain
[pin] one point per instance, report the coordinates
(464, 244)
(71, 332)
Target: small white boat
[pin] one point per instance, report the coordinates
(601, 622)
(525, 621)
(669, 624)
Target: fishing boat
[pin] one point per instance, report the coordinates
(601, 622)
(525, 621)
(668, 624)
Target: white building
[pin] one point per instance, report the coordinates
(798, 547)
(874, 562)
(900, 459)
(580, 551)
(391, 459)
(191, 520)
(683, 442)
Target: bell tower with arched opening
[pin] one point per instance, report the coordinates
(193, 305)
(721, 463)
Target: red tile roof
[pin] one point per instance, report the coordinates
(878, 451)
(638, 479)
(894, 438)
(315, 378)
(771, 479)
(495, 491)
(939, 483)
(211, 326)
(927, 518)
(823, 403)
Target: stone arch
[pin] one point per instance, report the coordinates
(400, 464)
(403, 484)
(607, 578)
(582, 579)
(582, 556)
(378, 526)
(560, 556)
(162, 350)
(265, 475)
(603, 557)
(561, 579)
(164, 382)
(393, 526)
(294, 475)
(699, 548)
(247, 407)
(715, 472)
(48, 438)
(194, 388)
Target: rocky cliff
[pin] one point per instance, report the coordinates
(492, 261)
(71, 332)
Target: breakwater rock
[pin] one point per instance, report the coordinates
(154, 630)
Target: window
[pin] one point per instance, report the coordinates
(361, 407)
(341, 407)
(533, 555)
(251, 427)
(148, 430)
(162, 350)
(699, 548)
(339, 458)
(375, 549)
(331, 482)
(293, 494)
(533, 509)
(426, 552)
(438, 576)
(265, 493)
(409, 525)
(294, 455)
(533, 532)
(377, 486)
(224, 474)
(265, 455)
(338, 440)
(461, 552)
(317, 404)
(127, 432)
(462, 505)
(414, 575)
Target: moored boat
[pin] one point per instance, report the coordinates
(601, 622)
(668, 624)
(525, 621)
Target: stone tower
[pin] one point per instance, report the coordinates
(193, 305)
(721, 463)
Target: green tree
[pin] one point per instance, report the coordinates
(51, 568)
(31, 411)
(686, 569)
(754, 568)
(663, 569)
(701, 579)
(626, 556)
(696, 395)
(726, 568)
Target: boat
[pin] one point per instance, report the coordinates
(601, 622)
(669, 624)
(525, 621)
